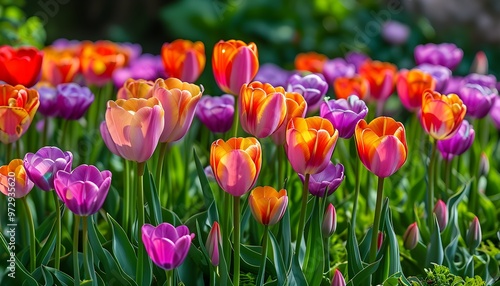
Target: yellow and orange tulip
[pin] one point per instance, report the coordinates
(234, 63)
(441, 115)
(311, 62)
(380, 76)
(18, 106)
(14, 181)
(296, 106)
(310, 143)
(267, 205)
(59, 65)
(99, 60)
(411, 84)
(381, 145)
(135, 88)
(346, 86)
(183, 59)
(236, 164)
(262, 108)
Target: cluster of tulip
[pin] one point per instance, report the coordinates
(155, 106)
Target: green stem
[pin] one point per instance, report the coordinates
(76, 264)
(169, 275)
(57, 255)
(356, 193)
(29, 218)
(302, 217)
(280, 149)
(159, 166)
(226, 243)
(236, 241)
(64, 133)
(85, 243)
(326, 253)
(140, 221)
(127, 198)
(8, 153)
(236, 119)
(482, 137)
(18, 149)
(376, 220)
(264, 254)
(45, 130)
(430, 195)
(447, 174)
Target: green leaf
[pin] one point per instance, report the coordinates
(285, 241)
(122, 249)
(313, 260)
(435, 253)
(21, 273)
(296, 276)
(205, 185)
(47, 276)
(278, 260)
(449, 255)
(354, 263)
(151, 197)
(452, 229)
(363, 277)
(45, 253)
(62, 277)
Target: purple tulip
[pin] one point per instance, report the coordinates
(395, 33)
(311, 86)
(458, 143)
(338, 279)
(495, 113)
(332, 69)
(357, 59)
(43, 165)
(216, 112)
(330, 178)
(329, 224)
(448, 55)
(62, 43)
(146, 66)
(440, 73)
(410, 237)
(213, 243)
(48, 101)
(84, 189)
(273, 74)
(73, 100)
(344, 114)
(453, 85)
(478, 99)
(441, 211)
(486, 80)
(167, 245)
(134, 50)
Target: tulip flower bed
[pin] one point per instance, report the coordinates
(119, 169)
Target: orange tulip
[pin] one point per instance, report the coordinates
(296, 106)
(312, 62)
(183, 59)
(135, 88)
(380, 76)
(381, 145)
(411, 85)
(99, 60)
(18, 106)
(310, 143)
(20, 65)
(234, 63)
(236, 164)
(262, 108)
(441, 115)
(346, 86)
(59, 65)
(267, 205)
(14, 181)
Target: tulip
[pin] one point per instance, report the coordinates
(495, 114)
(448, 55)
(440, 74)
(380, 76)
(166, 245)
(262, 108)
(357, 59)
(327, 180)
(410, 238)
(146, 67)
(441, 212)
(311, 62)
(381, 145)
(395, 33)
(453, 85)
(458, 143)
(344, 114)
(312, 87)
(73, 100)
(478, 99)
(236, 164)
(216, 112)
(234, 63)
(267, 205)
(18, 106)
(296, 106)
(338, 67)
(20, 66)
(213, 243)
(14, 181)
(179, 100)
(473, 237)
(329, 224)
(43, 165)
(489, 80)
(480, 63)
(183, 59)
(441, 115)
(484, 165)
(346, 86)
(411, 85)
(84, 189)
(99, 60)
(310, 143)
(48, 101)
(133, 127)
(338, 279)
(139, 88)
(59, 65)
(273, 75)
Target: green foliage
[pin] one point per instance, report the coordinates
(440, 275)
(16, 29)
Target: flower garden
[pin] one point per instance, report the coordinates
(118, 168)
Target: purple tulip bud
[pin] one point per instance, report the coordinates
(43, 165)
(478, 99)
(311, 86)
(480, 63)
(216, 112)
(484, 165)
(166, 245)
(330, 178)
(441, 212)
(344, 114)
(473, 237)
(448, 55)
(84, 189)
(272, 74)
(495, 113)
(440, 73)
(486, 80)
(395, 33)
(338, 279)
(410, 238)
(458, 143)
(357, 59)
(213, 243)
(48, 101)
(332, 69)
(73, 100)
(329, 224)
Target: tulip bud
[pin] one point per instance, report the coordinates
(212, 244)
(484, 165)
(380, 240)
(329, 221)
(410, 238)
(480, 63)
(441, 212)
(338, 279)
(473, 238)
